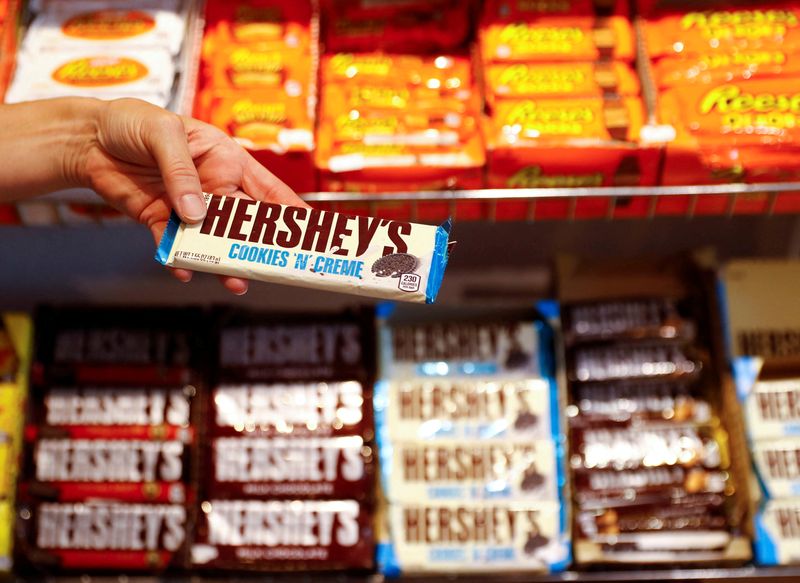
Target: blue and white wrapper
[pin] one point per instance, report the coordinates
(777, 533)
(311, 248)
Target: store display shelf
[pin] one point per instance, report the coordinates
(527, 204)
(737, 574)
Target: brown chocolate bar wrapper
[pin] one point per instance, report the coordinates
(118, 407)
(686, 446)
(632, 361)
(303, 409)
(261, 347)
(611, 521)
(125, 470)
(101, 537)
(625, 319)
(284, 535)
(613, 486)
(267, 468)
(628, 402)
(131, 346)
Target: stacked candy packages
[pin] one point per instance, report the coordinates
(15, 357)
(111, 441)
(727, 77)
(258, 82)
(288, 451)
(559, 77)
(399, 108)
(112, 49)
(650, 455)
(471, 447)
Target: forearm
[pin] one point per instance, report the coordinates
(41, 143)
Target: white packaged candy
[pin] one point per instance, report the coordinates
(777, 536)
(445, 408)
(475, 469)
(108, 74)
(305, 247)
(82, 26)
(477, 537)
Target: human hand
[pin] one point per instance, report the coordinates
(145, 161)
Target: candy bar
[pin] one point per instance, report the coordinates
(777, 527)
(257, 347)
(620, 449)
(539, 122)
(291, 467)
(604, 524)
(130, 347)
(487, 537)
(6, 527)
(778, 465)
(648, 318)
(98, 469)
(77, 25)
(598, 487)
(750, 113)
(115, 406)
(726, 29)
(446, 74)
(715, 67)
(491, 469)
(510, 348)
(772, 408)
(336, 408)
(557, 39)
(529, 80)
(310, 248)
(100, 536)
(103, 73)
(626, 402)
(459, 409)
(524, 9)
(632, 361)
(284, 535)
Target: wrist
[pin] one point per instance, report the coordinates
(81, 119)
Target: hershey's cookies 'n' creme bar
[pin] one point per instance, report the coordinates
(311, 248)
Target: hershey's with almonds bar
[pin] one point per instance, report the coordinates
(312, 248)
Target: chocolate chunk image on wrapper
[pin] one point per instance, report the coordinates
(532, 479)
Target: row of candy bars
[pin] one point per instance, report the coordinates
(109, 49)
(289, 443)
(727, 75)
(558, 79)
(258, 82)
(117, 440)
(470, 447)
(649, 457)
(108, 478)
(770, 396)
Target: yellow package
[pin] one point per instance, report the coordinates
(6, 527)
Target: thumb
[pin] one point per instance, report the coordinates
(166, 140)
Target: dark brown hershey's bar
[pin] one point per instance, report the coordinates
(284, 535)
(291, 467)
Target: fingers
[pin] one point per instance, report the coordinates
(166, 139)
(235, 285)
(261, 184)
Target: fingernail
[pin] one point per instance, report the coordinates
(193, 207)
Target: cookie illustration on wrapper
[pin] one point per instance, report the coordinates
(532, 479)
(394, 265)
(535, 542)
